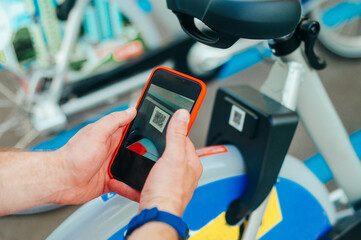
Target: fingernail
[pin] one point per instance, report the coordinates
(131, 110)
(183, 115)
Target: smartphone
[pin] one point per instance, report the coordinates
(143, 141)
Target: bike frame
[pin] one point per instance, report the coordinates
(53, 96)
(106, 217)
(72, 29)
(295, 85)
(300, 89)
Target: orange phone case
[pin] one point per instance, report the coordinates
(194, 113)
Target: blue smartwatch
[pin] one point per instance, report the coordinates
(154, 214)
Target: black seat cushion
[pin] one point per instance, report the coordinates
(253, 19)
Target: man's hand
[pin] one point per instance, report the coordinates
(85, 159)
(78, 172)
(173, 179)
(74, 174)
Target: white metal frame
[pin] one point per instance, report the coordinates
(293, 83)
(319, 117)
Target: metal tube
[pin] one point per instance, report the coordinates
(327, 131)
(255, 221)
(72, 29)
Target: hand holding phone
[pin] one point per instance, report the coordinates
(171, 182)
(143, 142)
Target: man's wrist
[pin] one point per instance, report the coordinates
(59, 179)
(35, 183)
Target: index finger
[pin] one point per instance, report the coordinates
(112, 122)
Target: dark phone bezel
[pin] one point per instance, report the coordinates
(130, 167)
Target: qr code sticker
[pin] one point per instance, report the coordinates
(237, 118)
(159, 119)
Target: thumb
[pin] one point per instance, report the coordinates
(177, 133)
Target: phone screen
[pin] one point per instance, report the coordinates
(145, 139)
(147, 134)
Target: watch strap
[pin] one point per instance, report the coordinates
(154, 214)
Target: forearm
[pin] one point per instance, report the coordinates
(154, 231)
(27, 180)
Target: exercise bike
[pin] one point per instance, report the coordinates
(249, 182)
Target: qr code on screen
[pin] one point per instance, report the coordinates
(159, 119)
(237, 118)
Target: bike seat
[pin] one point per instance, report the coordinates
(234, 19)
